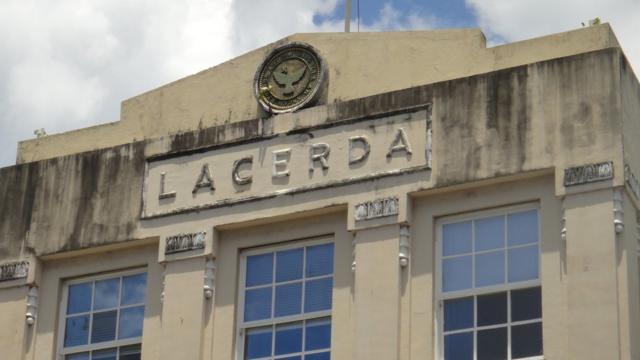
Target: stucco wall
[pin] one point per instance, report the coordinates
(360, 65)
(548, 115)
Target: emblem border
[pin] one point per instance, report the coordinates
(315, 92)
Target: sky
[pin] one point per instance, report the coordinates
(68, 64)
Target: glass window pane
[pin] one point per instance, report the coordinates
(523, 263)
(458, 314)
(107, 294)
(317, 334)
(80, 356)
(259, 270)
(456, 273)
(522, 227)
(526, 304)
(258, 343)
(490, 268)
(288, 299)
(107, 354)
(526, 340)
(257, 304)
(458, 346)
(492, 344)
(317, 295)
(288, 338)
(456, 238)
(492, 309)
(291, 358)
(289, 264)
(103, 327)
(79, 298)
(131, 352)
(76, 331)
(133, 288)
(319, 260)
(320, 356)
(131, 320)
(489, 233)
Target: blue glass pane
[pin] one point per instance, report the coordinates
(492, 344)
(257, 304)
(131, 352)
(258, 343)
(288, 299)
(320, 260)
(456, 273)
(133, 288)
(108, 354)
(289, 264)
(526, 340)
(291, 358)
(79, 298)
(490, 268)
(319, 356)
(317, 334)
(523, 263)
(107, 294)
(458, 346)
(458, 314)
(522, 228)
(456, 238)
(103, 327)
(259, 269)
(80, 356)
(288, 339)
(76, 331)
(131, 320)
(490, 233)
(317, 295)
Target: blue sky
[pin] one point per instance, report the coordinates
(449, 13)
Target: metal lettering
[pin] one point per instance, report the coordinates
(241, 180)
(588, 173)
(400, 143)
(319, 152)
(377, 208)
(14, 270)
(204, 180)
(280, 159)
(365, 145)
(184, 242)
(164, 194)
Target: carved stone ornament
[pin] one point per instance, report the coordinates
(289, 78)
(588, 173)
(14, 270)
(184, 242)
(376, 208)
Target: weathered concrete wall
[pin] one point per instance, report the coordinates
(546, 115)
(71, 202)
(360, 65)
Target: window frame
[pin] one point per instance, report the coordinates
(241, 326)
(441, 296)
(62, 352)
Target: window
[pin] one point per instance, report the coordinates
(285, 303)
(102, 317)
(489, 287)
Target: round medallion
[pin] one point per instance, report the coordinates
(289, 78)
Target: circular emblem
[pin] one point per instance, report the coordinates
(289, 78)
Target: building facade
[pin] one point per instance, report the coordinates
(410, 195)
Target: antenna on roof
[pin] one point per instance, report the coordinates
(347, 15)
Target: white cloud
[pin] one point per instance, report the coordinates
(522, 19)
(68, 64)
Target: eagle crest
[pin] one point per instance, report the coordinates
(285, 79)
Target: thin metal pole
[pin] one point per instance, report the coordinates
(347, 15)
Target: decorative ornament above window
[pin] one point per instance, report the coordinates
(289, 78)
